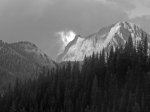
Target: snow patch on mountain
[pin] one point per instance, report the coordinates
(111, 34)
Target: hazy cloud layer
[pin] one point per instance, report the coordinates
(39, 21)
(134, 8)
(144, 22)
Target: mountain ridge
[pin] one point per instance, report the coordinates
(21, 60)
(114, 35)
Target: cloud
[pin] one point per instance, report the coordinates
(12, 8)
(134, 8)
(39, 6)
(105, 2)
(65, 37)
(140, 10)
(38, 20)
(143, 21)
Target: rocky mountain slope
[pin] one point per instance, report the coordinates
(114, 35)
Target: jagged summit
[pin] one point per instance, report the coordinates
(113, 35)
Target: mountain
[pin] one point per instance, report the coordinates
(114, 35)
(33, 53)
(21, 60)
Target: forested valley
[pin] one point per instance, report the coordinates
(118, 81)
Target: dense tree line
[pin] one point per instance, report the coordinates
(117, 81)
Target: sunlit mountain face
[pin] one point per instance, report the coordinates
(115, 35)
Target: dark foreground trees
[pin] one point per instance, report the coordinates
(119, 82)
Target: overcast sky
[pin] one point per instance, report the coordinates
(39, 21)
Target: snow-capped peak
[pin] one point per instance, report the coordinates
(111, 34)
(115, 35)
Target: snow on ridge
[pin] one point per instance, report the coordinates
(74, 49)
(95, 43)
(111, 34)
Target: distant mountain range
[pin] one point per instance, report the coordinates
(24, 59)
(21, 60)
(114, 35)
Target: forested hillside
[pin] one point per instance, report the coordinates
(118, 81)
(21, 60)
